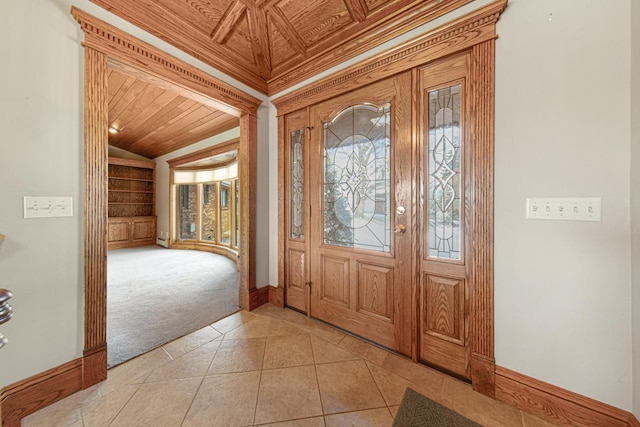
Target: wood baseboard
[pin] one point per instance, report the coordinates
(34, 393)
(556, 404)
(94, 366)
(269, 293)
(276, 295)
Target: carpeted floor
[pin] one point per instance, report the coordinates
(155, 295)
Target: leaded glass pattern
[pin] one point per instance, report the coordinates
(444, 174)
(297, 184)
(357, 179)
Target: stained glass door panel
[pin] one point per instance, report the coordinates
(360, 172)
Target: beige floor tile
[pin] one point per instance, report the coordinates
(347, 386)
(100, 412)
(426, 380)
(192, 341)
(256, 328)
(238, 356)
(53, 418)
(135, 371)
(312, 326)
(325, 352)
(461, 398)
(363, 349)
(390, 385)
(231, 322)
(280, 327)
(159, 404)
(306, 422)
(394, 410)
(529, 420)
(191, 365)
(380, 417)
(225, 400)
(284, 351)
(287, 394)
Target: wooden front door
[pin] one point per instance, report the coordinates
(361, 212)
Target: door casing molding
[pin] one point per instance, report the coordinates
(476, 33)
(105, 44)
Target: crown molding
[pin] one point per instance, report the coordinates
(119, 45)
(463, 33)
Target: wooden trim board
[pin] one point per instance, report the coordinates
(34, 393)
(276, 295)
(555, 404)
(214, 150)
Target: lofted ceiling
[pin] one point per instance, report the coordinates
(273, 44)
(152, 121)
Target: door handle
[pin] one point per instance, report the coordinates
(400, 229)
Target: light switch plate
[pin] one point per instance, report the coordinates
(565, 209)
(47, 207)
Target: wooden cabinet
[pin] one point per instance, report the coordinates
(132, 220)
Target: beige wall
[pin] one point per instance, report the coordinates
(635, 197)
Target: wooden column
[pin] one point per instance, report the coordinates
(247, 167)
(94, 367)
(482, 325)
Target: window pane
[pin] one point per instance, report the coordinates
(297, 184)
(208, 228)
(443, 168)
(357, 185)
(187, 211)
(237, 204)
(225, 214)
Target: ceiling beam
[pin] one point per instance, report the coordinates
(259, 34)
(231, 16)
(290, 34)
(357, 9)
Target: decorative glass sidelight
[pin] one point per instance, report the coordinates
(444, 174)
(357, 179)
(297, 184)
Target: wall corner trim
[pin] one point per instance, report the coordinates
(555, 404)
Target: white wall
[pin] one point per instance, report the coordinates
(40, 155)
(124, 154)
(562, 289)
(635, 197)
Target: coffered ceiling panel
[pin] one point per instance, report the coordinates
(151, 121)
(273, 44)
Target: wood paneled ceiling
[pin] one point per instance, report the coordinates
(273, 44)
(152, 121)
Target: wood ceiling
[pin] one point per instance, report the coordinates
(273, 44)
(153, 121)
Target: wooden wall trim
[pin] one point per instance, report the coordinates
(214, 150)
(247, 175)
(297, 72)
(125, 48)
(276, 295)
(482, 143)
(460, 34)
(38, 391)
(95, 206)
(555, 404)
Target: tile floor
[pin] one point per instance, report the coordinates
(270, 367)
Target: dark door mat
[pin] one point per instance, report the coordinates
(419, 411)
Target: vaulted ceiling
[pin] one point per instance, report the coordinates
(273, 44)
(151, 121)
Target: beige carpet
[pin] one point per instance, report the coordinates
(155, 295)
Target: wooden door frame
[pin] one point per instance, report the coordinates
(474, 32)
(105, 44)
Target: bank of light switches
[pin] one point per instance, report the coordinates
(47, 207)
(566, 209)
